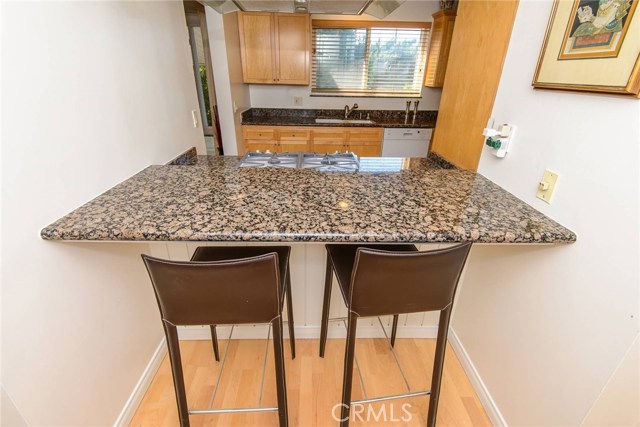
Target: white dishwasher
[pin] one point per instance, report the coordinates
(406, 142)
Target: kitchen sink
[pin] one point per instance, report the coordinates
(346, 122)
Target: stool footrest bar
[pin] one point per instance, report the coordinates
(394, 396)
(231, 410)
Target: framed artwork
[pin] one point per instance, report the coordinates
(591, 45)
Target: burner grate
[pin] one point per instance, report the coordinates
(337, 162)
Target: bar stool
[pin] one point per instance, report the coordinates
(232, 291)
(380, 280)
(222, 253)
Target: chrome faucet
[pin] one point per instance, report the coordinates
(348, 110)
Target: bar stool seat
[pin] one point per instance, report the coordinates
(225, 253)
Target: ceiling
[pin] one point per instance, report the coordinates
(378, 8)
(314, 6)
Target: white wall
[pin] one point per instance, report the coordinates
(276, 96)
(546, 327)
(232, 95)
(93, 92)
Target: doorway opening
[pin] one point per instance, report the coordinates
(202, 72)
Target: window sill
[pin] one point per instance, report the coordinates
(362, 95)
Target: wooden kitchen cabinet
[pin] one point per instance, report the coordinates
(329, 140)
(293, 139)
(277, 139)
(441, 35)
(275, 47)
(364, 142)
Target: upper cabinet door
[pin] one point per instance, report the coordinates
(257, 47)
(293, 44)
(275, 47)
(441, 35)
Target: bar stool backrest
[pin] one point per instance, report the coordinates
(217, 292)
(385, 282)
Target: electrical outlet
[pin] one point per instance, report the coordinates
(547, 186)
(297, 101)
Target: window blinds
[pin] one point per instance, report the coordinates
(368, 60)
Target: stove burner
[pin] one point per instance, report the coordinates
(337, 162)
(270, 160)
(274, 160)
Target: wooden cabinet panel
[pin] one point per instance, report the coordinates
(475, 65)
(441, 35)
(329, 135)
(370, 150)
(257, 47)
(258, 132)
(294, 134)
(365, 136)
(258, 145)
(275, 47)
(293, 44)
(293, 146)
(364, 142)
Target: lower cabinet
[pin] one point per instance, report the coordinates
(364, 142)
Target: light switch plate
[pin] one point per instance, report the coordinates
(194, 116)
(549, 181)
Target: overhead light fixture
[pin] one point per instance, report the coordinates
(222, 6)
(382, 8)
(301, 6)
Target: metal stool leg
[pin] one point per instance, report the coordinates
(171, 332)
(292, 335)
(281, 384)
(436, 380)
(394, 329)
(214, 341)
(349, 356)
(328, 279)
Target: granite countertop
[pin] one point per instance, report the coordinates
(212, 199)
(306, 117)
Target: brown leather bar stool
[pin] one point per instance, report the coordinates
(381, 282)
(235, 291)
(221, 253)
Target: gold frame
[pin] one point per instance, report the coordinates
(632, 87)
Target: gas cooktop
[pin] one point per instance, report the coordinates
(337, 162)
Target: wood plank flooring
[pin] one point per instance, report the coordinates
(313, 385)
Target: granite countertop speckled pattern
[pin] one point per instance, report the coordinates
(307, 117)
(214, 200)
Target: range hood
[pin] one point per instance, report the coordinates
(377, 8)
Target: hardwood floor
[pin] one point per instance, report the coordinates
(313, 385)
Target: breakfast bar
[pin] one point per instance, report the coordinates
(387, 200)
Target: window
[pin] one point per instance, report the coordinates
(368, 58)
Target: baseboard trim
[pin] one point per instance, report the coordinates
(476, 381)
(130, 407)
(304, 332)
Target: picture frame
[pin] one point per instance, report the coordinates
(591, 46)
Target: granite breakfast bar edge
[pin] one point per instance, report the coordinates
(214, 200)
